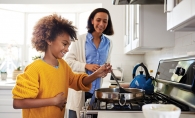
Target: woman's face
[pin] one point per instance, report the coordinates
(100, 22)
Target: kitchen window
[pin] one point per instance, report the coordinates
(11, 40)
(16, 32)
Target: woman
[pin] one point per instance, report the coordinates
(87, 54)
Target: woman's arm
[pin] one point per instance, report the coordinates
(76, 55)
(73, 60)
(59, 100)
(125, 85)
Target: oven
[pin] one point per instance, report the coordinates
(174, 84)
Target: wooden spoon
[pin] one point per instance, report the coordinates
(121, 90)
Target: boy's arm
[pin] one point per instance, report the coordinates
(59, 100)
(101, 72)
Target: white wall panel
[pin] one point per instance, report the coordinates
(184, 45)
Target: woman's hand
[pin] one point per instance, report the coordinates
(60, 100)
(92, 67)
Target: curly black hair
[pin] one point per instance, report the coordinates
(48, 28)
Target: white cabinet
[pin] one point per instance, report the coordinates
(182, 16)
(147, 29)
(193, 7)
(6, 105)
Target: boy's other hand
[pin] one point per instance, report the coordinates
(60, 100)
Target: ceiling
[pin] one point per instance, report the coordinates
(33, 8)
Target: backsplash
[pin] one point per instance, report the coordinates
(125, 62)
(184, 46)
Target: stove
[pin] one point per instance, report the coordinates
(136, 105)
(174, 84)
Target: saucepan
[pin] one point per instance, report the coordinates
(113, 94)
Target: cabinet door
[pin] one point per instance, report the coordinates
(126, 37)
(179, 14)
(6, 106)
(169, 20)
(193, 7)
(135, 26)
(182, 12)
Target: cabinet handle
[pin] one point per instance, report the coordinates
(136, 30)
(168, 5)
(165, 6)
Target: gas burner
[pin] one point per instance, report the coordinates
(155, 99)
(129, 105)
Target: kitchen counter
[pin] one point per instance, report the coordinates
(6, 100)
(7, 84)
(104, 114)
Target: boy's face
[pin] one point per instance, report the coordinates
(59, 47)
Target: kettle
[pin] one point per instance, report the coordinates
(142, 81)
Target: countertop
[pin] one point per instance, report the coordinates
(7, 84)
(134, 115)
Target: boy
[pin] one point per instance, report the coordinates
(42, 89)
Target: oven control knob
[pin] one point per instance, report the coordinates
(180, 71)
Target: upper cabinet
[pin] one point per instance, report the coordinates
(182, 15)
(146, 29)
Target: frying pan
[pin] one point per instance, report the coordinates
(114, 95)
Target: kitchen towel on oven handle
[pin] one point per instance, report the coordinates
(142, 81)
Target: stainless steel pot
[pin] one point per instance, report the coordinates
(112, 94)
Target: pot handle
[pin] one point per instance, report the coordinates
(145, 69)
(122, 100)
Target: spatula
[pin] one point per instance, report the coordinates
(121, 90)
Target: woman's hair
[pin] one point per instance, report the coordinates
(109, 29)
(48, 28)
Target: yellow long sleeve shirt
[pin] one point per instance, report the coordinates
(41, 80)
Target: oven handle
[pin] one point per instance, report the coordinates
(193, 85)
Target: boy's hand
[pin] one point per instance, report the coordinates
(60, 100)
(104, 70)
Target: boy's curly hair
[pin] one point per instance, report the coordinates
(48, 28)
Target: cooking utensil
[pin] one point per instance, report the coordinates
(121, 90)
(122, 99)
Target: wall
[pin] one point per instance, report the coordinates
(118, 17)
(184, 46)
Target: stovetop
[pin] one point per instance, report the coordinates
(136, 105)
(175, 84)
